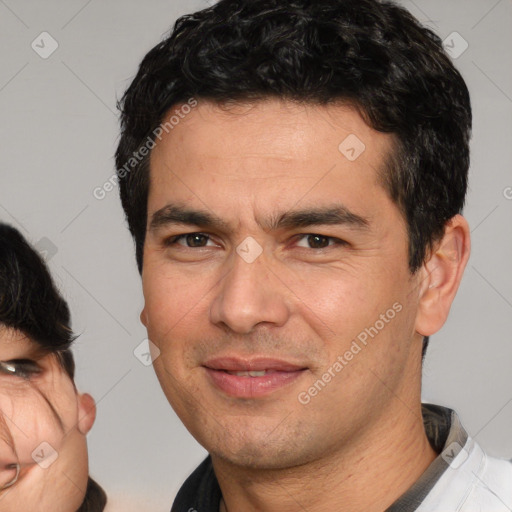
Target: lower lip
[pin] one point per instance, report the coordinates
(252, 387)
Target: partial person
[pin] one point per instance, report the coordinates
(44, 420)
(293, 174)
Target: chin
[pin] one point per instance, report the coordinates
(266, 449)
(261, 458)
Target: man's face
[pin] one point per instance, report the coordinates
(40, 418)
(326, 264)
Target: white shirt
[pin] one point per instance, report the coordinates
(462, 478)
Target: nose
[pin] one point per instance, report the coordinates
(249, 294)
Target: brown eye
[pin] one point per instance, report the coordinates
(189, 240)
(318, 241)
(197, 240)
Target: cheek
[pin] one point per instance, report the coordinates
(333, 303)
(171, 300)
(350, 305)
(31, 421)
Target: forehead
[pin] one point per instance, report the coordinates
(271, 151)
(15, 343)
(272, 127)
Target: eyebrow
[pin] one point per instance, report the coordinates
(328, 215)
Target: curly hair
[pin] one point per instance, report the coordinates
(371, 54)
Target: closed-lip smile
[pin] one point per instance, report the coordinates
(251, 377)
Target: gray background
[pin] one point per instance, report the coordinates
(59, 131)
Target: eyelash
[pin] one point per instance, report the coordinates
(173, 240)
(21, 368)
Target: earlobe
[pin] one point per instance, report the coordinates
(441, 275)
(86, 412)
(143, 317)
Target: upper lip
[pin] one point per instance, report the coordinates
(239, 364)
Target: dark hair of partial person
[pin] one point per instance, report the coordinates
(370, 54)
(95, 498)
(30, 303)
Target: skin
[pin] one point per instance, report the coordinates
(299, 302)
(27, 420)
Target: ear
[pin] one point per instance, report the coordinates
(143, 317)
(441, 275)
(86, 412)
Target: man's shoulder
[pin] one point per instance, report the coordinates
(498, 473)
(491, 486)
(473, 482)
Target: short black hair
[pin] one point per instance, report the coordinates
(30, 303)
(371, 54)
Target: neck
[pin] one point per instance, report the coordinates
(386, 461)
